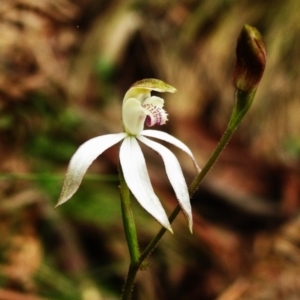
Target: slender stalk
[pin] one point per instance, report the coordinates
(129, 282)
(129, 225)
(152, 245)
(213, 158)
(131, 237)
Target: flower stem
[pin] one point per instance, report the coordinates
(129, 282)
(243, 101)
(131, 237)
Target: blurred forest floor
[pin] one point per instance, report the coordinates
(64, 68)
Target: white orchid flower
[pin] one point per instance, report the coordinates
(139, 107)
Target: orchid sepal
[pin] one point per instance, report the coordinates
(82, 159)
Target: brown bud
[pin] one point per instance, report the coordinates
(250, 59)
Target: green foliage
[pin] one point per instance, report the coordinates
(95, 201)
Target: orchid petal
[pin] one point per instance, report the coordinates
(82, 159)
(172, 140)
(137, 178)
(175, 176)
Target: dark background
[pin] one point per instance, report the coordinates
(64, 68)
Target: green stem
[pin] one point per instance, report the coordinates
(129, 225)
(152, 245)
(213, 158)
(129, 282)
(131, 237)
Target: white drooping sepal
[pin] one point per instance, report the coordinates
(175, 176)
(137, 178)
(82, 159)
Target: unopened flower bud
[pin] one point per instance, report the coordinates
(250, 59)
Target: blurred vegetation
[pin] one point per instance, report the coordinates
(64, 68)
